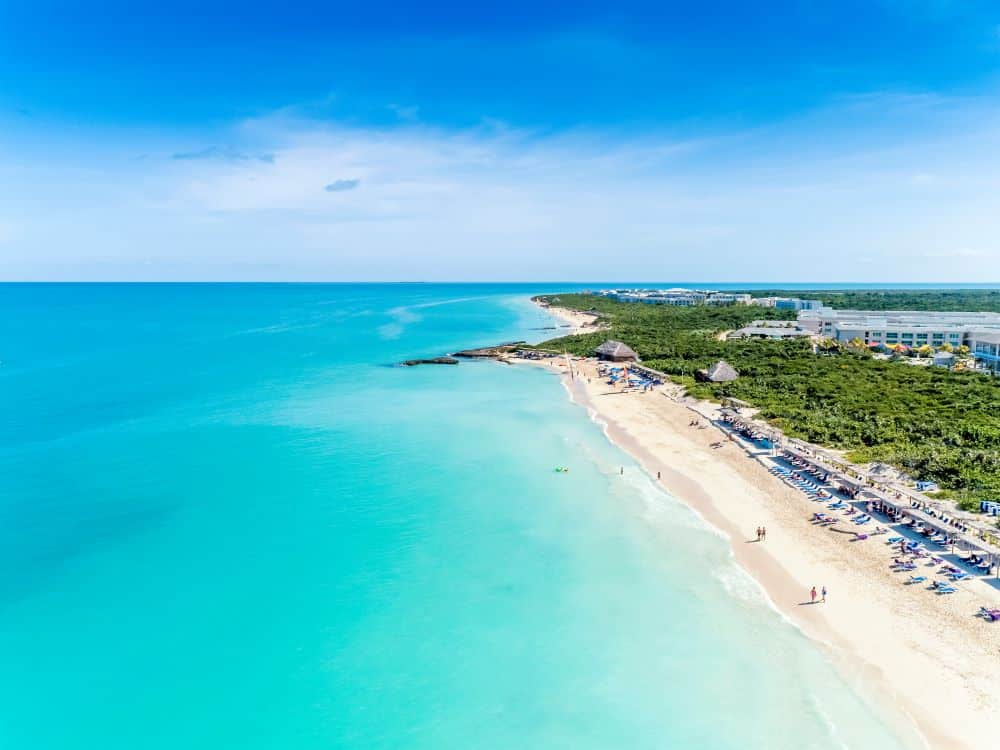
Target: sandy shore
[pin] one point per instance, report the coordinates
(925, 658)
(580, 322)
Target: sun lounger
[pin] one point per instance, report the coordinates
(959, 576)
(916, 579)
(990, 614)
(894, 540)
(943, 587)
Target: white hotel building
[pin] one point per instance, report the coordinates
(980, 331)
(676, 297)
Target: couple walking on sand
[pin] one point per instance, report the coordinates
(813, 595)
(761, 534)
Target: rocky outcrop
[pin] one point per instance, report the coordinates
(491, 352)
(433, 361)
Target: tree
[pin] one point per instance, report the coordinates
(925, 350)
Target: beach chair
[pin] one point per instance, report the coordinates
(946, 589)
(960, 576)
(990, 614)
(916, 579)
(894, 540)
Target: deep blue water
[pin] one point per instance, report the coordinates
(227, 521)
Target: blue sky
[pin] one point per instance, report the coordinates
(809, 141)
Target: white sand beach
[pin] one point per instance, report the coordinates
(927, 655)
(580, 322)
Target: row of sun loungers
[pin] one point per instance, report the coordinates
(914, 550)
(795, 479)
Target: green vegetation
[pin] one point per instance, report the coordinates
(942, 300)
(934, 424)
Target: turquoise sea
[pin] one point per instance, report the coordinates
(227, 521)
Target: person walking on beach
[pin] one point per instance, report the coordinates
(812, 594)
(758, 533)
(824, 595)
(763, 533)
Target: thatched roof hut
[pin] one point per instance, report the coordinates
(616, 351)
(720, 372)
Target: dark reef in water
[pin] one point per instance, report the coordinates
(432, 361)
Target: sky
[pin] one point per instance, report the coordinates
(796, 140)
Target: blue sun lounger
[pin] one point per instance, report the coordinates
(917, 579)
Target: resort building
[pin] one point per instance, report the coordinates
(769, 329)
(985, 347)
(786, 303)
(677, 297)
(909, 328)
(944, 359)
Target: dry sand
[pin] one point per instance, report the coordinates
(581, 322)
(919, 654)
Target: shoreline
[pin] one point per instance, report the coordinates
(581, 322)
(924, 658)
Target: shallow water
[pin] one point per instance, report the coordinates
(227, 522)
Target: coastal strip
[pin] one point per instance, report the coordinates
(578, 321)
(925, 655)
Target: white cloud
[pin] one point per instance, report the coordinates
(499, 203)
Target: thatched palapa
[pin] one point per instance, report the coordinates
(616, 351)
(720, 372)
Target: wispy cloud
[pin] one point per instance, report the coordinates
(222, 153)
(502, 202)
(342, 186)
